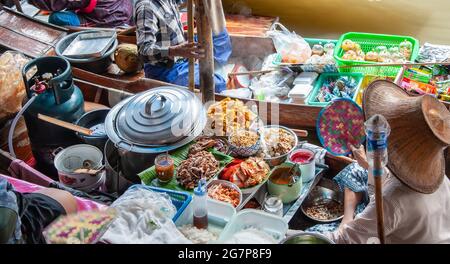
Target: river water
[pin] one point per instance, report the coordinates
(427, 20)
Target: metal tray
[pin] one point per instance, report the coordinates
(92, 44)
(289, 209)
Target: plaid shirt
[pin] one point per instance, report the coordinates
(159, 26)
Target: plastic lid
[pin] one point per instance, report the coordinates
(159, 116)
(200, 190)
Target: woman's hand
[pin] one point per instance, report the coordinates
(359, 154)
(187, 50)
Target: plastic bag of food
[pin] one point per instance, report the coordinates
(292, 47)
(12, 88)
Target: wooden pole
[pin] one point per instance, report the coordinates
(18, 5)
(204, 32)
(377, 130)
(379, 207)
(190, 12)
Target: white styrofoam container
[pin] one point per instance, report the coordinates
(251, 218)
(300, 93)
(306, 78)
(219, 215)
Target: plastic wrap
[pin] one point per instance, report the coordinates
(293, 48)
(12, 88)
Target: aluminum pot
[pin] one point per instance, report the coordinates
(275, 161)
(95, 65)
(153, 122)
(75, 157)
(115, 182)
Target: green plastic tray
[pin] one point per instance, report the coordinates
(369, 41)
(311, 98)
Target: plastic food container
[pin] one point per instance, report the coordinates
(219, 216)
(369, 41)
(300, 93)
(251, 218)
(323, 77)
(180, 200)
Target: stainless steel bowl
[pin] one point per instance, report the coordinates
(325, 190)
(307, 238)
(275, 161)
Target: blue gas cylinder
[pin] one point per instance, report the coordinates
(49, 79)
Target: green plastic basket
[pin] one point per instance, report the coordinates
(312, 96)
(368, 42)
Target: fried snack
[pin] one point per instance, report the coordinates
(277, 142)
(224, 193)
(244, 138)
(229, 115)
(204, 143)
(200, 165)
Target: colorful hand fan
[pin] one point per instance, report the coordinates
(340, 125)
(85, 227)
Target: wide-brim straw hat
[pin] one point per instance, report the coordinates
(420, 133)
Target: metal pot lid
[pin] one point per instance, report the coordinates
(157, 118)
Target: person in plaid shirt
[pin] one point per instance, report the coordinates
(163, 47)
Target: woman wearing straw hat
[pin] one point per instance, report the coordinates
(416, 192)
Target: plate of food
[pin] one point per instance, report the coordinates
(324, 205)
(200, 165)
(204, 158)
(244, 143)
(277, 142)
(227, 116)
(225, 191)
(208, 142)
(248, 174)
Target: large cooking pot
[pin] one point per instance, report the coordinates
(153, 122)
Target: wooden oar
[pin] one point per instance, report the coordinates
(65, 124)
(251, 72)
(300, 132)
(127, 31)
(190, 14)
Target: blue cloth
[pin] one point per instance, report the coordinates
(8, 200)
(64, 18)
(355, 178)
(179, 73)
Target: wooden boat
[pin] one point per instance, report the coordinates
(325, 19)
(94, 85)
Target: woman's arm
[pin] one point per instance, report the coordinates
(59, 5)
(8, 219)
